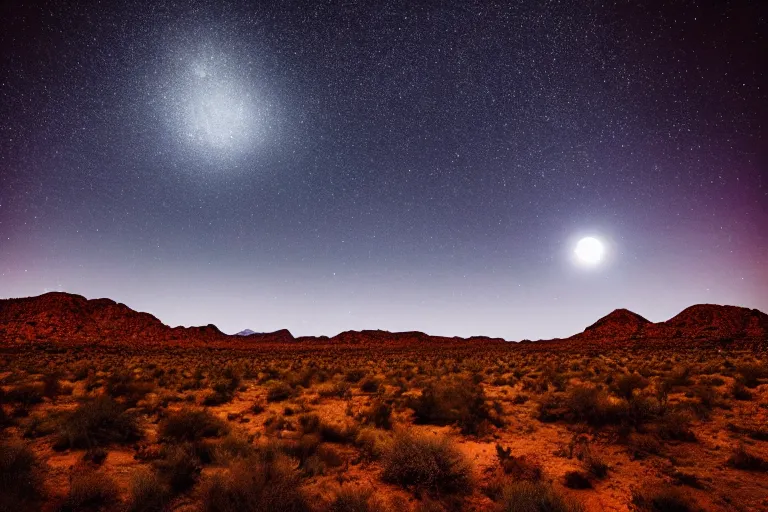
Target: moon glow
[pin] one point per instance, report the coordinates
(589, 251)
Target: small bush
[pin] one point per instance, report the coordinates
(95, 423)
(742, 459)
(740, 392)
(279, 391)
(664, 498)
(372, 443)
(380, 415)
(20, 480)
(356, 499)
(426, 463)
(627, 383)
(26, 395)
(179, 468)
(189, 425)
(535, 497)
(90, 491)
(676, 425)
(454, 401)
(595, 466)
(577, 480)
(258, 484)
(147, 493)
(518, 467)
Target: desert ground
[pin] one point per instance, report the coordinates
(430, 427)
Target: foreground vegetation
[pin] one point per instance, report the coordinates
(427, 428)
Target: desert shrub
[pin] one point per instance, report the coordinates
(121, 384)
(750, 374)
(740, 392)
(643, 445)
(453, 401)
(595, 465)
(26, 394)
(627, 383)
(51, 384)
(355, 499)
(662, 498)
(41, 425)
(535, 497)
(518, 467)
(379, 414)
(147, 493)
(680, 376)
(95, 455)
(355, 375)
(576, 480)
(255, 485)
(179, 467)
(279, 391)
(90, 491)
(97, 422)
(426, 463)
(339, 389)
(370, 385)
(594, 407)
(21, 484)
(372, 443)
(642, 409)
(742, 459)
(233, 447)
(190, 425)
(337, 432)
(676, 425)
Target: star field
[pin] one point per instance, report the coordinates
(394, 165)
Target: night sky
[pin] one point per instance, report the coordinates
(403, 166)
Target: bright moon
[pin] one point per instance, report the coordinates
(589, 251)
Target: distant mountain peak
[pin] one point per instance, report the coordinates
(618, 322)
(245, 332)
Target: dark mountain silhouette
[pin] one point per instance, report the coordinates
(702, 321)
(621, 322)
(65, 318)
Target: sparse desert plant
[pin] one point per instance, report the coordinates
(97, 422)
(147, 493)
(90, 491)
(518, 467)
(372, 443)
(188, 425)
(179, 467)
(379, 414)
(426, 463)
(743, 459)
(453, 401)
(255, 485)
(662, 498)
(356, 499)
(279, 391)
(576, 480)
(21, 482)
(528, 496)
